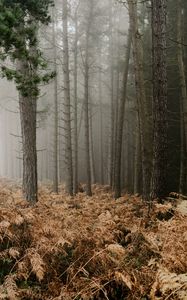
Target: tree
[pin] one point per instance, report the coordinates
(159, 175)
(75, 177)
(55, 180)
(142, 101)
(183, 101)
(112, 119)
(67, 110)
(19, 22)
(120, 122)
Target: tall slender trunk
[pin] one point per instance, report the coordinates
(92, 158)
(159, 175)
(116, 102)
(101, 123)
(117, 186)
(141, 98)
(137, 160)
(86, 100)
(86, 121)
(75, 182)
(111, 141)
(66, 106)
(55, 179)
(182, 184)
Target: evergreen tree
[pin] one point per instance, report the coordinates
(19, 22)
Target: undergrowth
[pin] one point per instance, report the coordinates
(90, 248)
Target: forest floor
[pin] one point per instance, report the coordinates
(91, 248)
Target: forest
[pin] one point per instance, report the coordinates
(93, 149)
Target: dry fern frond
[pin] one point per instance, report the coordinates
(13, 252)
(23, 269)
(125, 278)
(18, 220)
(10, 287)
(61, 242)
(37, 264)
(4, 225)
(169, 284)
(116, 251)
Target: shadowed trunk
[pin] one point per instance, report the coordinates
(159, 176)
(142, 102)
(120, 122)
(182, 184)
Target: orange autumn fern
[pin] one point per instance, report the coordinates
(96, 248)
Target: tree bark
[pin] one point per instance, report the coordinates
(160, 145)
(101, 123)
(111, 140)
(66, 106)
(141, 99)
(92, 157)
(55, 178)
(75, 182)
(183, 103)
(117, 185)
(27, 107)
(137, 161)
(86, 101)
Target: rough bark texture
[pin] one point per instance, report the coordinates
(183, 103)
(159, 176)
(27, 107)
(120, 123)
(137, 161)
(66, 106)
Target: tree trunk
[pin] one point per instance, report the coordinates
(75, 183)
(55, 179)
(141, 98)
(66, 106)
(182, 180)
(86, 102)
(92, 158)
(111, 140)
(159, 175)
(181, 65)
(27, 107)
(117, 185)
(137, 161)
(101, 123)
(87, 131)
(116, 100)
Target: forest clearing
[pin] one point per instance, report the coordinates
(91, 248)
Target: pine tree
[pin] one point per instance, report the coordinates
(19, 22)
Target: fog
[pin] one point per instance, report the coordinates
(99, 94)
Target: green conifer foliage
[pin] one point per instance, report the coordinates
(19, 21)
